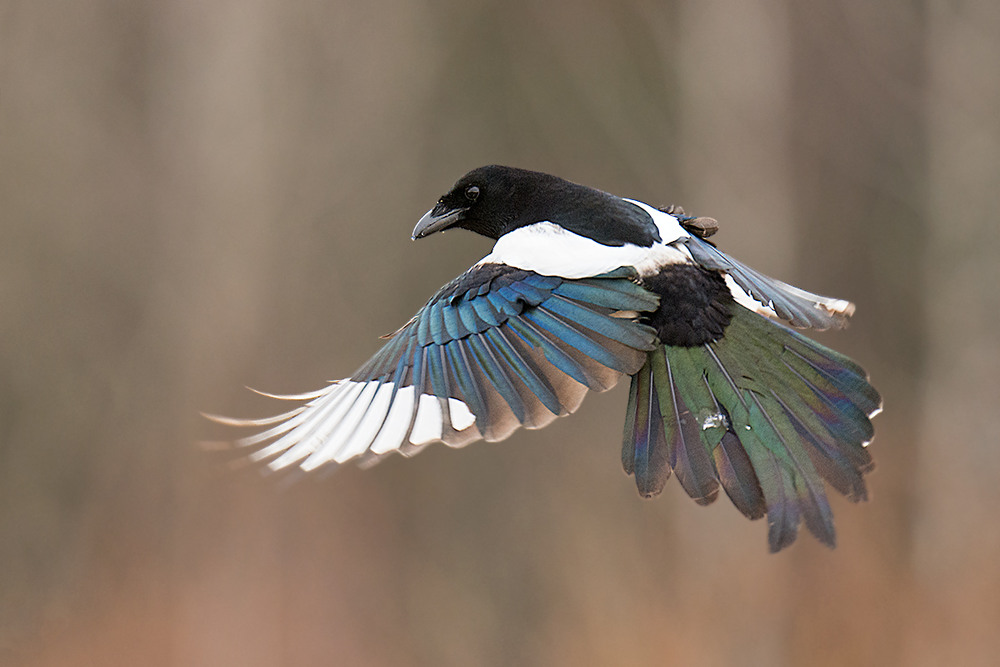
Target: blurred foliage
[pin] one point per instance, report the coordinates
(197, 196)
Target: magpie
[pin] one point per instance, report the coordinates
(582, 288)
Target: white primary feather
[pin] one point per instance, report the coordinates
(461, 417)
(285, 422)
(369, 427)
(427, 423)
(304, 414)
(305, 439)
(334, 435)
(397, 422)
(350, 417)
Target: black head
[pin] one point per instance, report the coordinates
(484, 201)
(494, 200)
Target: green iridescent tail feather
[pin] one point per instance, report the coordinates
(765, 413)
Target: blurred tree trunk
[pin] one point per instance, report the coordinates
(957, 538)
(859, 142)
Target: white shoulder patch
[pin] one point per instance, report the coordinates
(551, 250)
(670, 229)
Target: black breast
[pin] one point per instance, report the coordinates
(695, 305)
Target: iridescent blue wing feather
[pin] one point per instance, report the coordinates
(495, 349)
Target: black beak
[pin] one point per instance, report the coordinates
(435, 220)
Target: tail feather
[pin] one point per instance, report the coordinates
(765, 412)
(831, 417)
(632, 418)
(737, 476)
(688, 441)
(783, 512)
(767, 418)
(646, 455)
(813, 359)
(796, 488)
(833, 465)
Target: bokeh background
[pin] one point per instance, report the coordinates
(197, 196)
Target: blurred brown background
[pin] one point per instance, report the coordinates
(197, 196)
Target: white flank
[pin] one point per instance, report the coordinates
(551, 250)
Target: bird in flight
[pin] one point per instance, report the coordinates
(582, 288)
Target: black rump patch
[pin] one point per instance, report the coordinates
(695, 305)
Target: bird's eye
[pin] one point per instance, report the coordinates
(472, 193)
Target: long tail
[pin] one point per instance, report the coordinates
(764, 412)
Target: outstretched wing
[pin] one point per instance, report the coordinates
(769, 296)
(495, 349)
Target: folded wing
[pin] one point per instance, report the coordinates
(769, 296)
